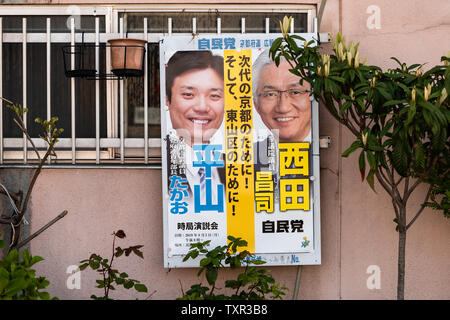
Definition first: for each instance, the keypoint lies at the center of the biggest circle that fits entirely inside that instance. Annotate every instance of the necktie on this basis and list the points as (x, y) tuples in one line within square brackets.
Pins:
[(201, 173)]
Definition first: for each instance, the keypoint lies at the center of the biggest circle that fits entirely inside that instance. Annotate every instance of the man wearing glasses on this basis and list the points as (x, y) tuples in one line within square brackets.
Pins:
[(284, 106), (282, 102)]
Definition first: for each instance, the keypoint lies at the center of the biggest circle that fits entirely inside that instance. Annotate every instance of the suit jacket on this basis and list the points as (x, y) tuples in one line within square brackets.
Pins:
[(170, 144)]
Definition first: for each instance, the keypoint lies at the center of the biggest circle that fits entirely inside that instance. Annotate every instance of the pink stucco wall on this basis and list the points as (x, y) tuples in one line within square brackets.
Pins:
[(357, 227)]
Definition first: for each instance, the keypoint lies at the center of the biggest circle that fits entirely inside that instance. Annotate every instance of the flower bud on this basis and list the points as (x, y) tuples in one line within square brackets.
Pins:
[(444, 96), (352, 94), (357, 60), (340, 52), (349, 58), (413, 95), (364, 138), (351, 48), (427, 91), (448, 56), (419, 71), (285, 26)]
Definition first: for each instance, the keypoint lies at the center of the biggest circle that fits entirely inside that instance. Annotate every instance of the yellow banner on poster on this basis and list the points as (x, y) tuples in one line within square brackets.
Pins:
[(239, 146)]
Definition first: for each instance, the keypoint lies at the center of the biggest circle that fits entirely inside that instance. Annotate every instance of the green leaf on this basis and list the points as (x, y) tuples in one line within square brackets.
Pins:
[(140, 287), (400, 158), (371, 160), (345, 106), (44, 295), (394, 102), (205, 261), (118, 252), (35, 259), (12, 257), (370, 179), (137, 252), (94, 264), (275, 45), (362, 165), (233, 284), (338, 79), (3, 284), (43, 283), (394, 58), (15, 286), (128, 284), (258, 262), (361, 104), (438, 140), (83, 266), (384, 93), (211, 275), (386, 128), (355, 145), (419, 157)]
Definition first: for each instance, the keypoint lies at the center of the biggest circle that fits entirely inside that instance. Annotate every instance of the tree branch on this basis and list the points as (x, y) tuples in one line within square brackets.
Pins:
[(405, 190), (12, 194), (358, 122), (28, 137), (34, 235), (342, 121), (421, 209), (420, 179), (34, 178)]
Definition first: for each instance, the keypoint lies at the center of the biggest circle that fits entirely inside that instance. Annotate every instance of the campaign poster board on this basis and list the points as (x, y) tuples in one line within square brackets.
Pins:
[(240, 150)]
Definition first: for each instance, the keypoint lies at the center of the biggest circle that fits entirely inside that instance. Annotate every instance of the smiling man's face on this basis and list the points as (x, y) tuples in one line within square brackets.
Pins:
[(197, 104), (288, 115)]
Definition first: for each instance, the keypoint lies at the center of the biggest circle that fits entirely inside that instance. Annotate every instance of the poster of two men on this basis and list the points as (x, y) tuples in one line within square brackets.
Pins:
[(238, 140)]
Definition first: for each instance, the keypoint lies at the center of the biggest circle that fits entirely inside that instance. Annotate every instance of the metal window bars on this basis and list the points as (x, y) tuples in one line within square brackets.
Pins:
[(108, 150), (78, 150)]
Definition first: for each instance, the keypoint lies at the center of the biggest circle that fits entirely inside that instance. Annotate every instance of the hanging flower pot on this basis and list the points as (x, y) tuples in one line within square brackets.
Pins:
[(83, 57), (127, 57)]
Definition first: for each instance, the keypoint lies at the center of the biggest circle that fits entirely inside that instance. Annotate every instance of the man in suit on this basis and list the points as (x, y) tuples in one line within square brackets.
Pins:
[(282, 102), (284, 106), (195, 100)]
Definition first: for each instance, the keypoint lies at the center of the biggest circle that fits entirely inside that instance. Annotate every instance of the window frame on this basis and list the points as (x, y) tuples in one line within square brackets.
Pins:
[(134, 151)]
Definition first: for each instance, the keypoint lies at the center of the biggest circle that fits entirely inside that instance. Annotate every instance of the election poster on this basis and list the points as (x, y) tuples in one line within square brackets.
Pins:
[(239, 150)]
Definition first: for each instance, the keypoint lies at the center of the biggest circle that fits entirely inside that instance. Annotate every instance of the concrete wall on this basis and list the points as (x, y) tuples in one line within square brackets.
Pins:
[(357, 227)]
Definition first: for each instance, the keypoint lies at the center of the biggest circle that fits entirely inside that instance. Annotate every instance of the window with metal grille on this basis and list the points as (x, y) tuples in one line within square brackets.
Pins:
[(104, 121)]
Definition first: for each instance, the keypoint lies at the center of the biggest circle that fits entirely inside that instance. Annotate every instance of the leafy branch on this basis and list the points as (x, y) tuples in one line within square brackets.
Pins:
[(251, 284), (20, 202), (400, 119), (110, 276)]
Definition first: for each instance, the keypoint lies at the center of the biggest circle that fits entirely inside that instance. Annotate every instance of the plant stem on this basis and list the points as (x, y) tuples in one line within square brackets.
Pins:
[(109, 268), (34, 178), (401, 260)]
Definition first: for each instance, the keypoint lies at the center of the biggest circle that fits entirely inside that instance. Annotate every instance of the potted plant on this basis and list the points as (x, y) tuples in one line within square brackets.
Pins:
[(127, 57)]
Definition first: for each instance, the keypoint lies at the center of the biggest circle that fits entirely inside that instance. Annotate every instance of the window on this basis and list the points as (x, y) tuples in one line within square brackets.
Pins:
[(94, 129)]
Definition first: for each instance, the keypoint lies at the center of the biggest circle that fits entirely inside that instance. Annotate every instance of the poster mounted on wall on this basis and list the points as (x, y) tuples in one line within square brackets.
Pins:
[(240, 150)]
